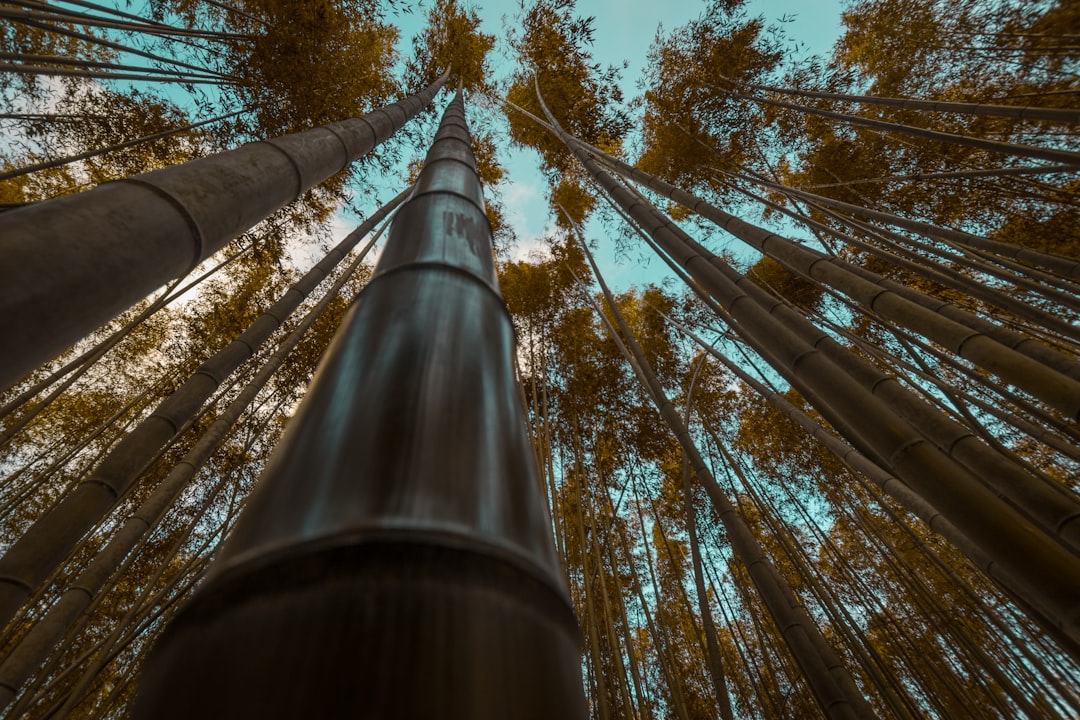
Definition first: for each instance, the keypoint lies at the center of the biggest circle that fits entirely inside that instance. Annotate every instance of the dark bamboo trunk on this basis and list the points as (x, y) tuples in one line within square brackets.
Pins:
[(899, 256), (1017, 112), (34, 647), (1015, 149), (395, 559), (989, 345), (72, 263), (1064, 267), (1040, 571), (45, 544), (832, 684)]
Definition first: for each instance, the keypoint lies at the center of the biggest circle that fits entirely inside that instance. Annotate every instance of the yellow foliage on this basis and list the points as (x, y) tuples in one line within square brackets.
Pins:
[(570, 197), (581, 94), (452, 40), (777, 279)]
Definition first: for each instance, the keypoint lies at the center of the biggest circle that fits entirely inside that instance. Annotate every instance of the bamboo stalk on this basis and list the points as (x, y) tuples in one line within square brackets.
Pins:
[(977, 109), (110, 246), (49, 539), (1041, 153)]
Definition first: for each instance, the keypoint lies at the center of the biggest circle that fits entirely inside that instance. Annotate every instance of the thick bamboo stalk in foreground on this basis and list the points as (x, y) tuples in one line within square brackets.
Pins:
[(70, 264), (396, 558)]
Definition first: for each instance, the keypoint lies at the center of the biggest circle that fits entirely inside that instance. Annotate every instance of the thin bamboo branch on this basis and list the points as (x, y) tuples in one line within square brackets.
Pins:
[(1015, 149), (147, 74), (991, 172), (979, 109), (102, 42)]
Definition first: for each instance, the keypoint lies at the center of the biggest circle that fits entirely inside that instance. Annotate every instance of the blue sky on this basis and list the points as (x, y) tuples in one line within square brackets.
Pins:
[(624, 30)]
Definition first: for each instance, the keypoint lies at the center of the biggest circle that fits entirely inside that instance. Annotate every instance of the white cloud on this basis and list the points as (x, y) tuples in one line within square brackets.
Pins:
[(533, 250), (303, 251), (520, 200)]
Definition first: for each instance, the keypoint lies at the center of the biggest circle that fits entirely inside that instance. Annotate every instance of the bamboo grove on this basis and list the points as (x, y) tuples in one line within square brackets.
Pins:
[(825, 465)]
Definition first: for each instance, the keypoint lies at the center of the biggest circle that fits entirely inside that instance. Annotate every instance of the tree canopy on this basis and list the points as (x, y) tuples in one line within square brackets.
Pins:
[(843, 401)]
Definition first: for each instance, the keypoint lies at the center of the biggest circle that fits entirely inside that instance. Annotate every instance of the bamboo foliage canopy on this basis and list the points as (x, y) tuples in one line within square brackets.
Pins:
[(821, 460)]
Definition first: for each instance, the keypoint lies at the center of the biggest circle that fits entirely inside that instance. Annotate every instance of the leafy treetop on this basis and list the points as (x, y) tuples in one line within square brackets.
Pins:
[(583, 95), (451, 39), (687, 113)]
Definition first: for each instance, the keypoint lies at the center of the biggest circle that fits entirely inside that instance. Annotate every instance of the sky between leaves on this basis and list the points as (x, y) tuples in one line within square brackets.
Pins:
[(624, 30)]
